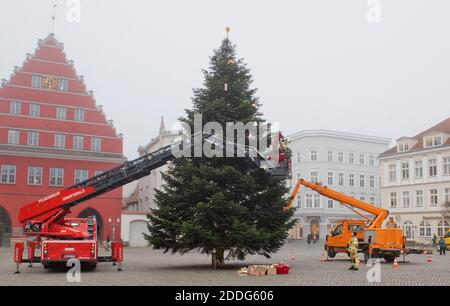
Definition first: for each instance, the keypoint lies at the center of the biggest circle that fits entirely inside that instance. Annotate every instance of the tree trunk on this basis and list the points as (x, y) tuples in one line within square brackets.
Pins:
[(217, 258)]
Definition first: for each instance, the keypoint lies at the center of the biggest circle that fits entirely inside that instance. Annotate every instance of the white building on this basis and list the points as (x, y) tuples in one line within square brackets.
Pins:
[(345, 162), (415, 184), (136, 207)]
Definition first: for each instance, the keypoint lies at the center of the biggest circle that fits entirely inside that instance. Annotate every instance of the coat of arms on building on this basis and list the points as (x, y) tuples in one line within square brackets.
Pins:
[(49, 83)]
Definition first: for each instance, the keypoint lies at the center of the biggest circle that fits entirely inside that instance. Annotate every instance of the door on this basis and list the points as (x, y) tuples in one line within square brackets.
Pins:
[(137, 230)]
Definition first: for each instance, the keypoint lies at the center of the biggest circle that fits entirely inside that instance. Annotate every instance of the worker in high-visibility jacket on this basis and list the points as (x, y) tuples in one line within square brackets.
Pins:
[(353, 251)]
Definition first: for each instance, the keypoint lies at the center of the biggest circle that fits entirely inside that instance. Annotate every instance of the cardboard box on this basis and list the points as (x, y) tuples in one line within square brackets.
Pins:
[(271, 270), (256, 270)]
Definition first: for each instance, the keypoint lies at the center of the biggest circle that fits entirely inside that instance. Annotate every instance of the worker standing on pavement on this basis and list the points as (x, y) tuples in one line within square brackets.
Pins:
[(442, 246), (353, 251)]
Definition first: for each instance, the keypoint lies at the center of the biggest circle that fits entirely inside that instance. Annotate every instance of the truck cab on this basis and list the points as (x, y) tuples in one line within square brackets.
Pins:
[(337, 241)]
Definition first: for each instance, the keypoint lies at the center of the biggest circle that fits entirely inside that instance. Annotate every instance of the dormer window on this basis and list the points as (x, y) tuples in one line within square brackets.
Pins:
[(433, 141), (403, 147)]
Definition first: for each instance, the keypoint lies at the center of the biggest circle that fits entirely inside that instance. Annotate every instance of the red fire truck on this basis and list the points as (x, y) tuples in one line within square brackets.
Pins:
[(47, 222)]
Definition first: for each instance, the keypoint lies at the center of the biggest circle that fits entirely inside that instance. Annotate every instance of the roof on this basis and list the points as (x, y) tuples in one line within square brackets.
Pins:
[(337, 134), (134, 197), (441, 127)]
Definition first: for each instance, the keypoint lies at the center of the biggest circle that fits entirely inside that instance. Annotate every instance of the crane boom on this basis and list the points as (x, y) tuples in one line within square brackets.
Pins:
[(50, 208), (379, 214)]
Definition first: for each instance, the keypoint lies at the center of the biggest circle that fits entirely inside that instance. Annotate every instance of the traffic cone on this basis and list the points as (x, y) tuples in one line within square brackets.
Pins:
[(395, 266), (322, 258), (292, 255), (429, 260)]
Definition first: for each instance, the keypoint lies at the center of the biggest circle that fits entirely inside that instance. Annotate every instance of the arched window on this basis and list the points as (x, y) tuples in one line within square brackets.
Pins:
[(425, 229), (408, 230), (5, 227), (442, 228)]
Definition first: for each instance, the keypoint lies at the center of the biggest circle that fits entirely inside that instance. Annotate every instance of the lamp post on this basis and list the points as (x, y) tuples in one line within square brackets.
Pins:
[(113, 227)]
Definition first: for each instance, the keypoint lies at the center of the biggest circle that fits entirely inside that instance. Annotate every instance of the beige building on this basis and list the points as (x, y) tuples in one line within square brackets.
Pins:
[(148, 184), (142, 199), (415, 183)]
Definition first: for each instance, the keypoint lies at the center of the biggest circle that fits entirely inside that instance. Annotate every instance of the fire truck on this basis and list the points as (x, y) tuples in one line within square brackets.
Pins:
[(47, 222)]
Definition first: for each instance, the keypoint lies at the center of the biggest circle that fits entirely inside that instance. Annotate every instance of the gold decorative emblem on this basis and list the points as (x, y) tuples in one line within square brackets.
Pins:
[(50, 83)]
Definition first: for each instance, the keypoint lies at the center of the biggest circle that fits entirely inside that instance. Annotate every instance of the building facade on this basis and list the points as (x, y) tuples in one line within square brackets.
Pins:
[(415, 183), (53, 135), (142, 199), (148, 184), (345, 162)]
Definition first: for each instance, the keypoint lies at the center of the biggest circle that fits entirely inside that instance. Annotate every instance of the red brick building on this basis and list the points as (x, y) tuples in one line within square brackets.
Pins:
[(52, 135)]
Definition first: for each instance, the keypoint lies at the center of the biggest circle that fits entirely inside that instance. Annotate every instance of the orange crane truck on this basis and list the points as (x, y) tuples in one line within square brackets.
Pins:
[(374, 241)]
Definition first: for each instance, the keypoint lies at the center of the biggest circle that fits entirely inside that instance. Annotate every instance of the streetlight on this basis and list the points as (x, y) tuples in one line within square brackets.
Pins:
[(113, 225)]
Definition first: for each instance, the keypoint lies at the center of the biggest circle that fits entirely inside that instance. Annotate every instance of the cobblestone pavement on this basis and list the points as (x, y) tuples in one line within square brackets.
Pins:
[(144, 266)]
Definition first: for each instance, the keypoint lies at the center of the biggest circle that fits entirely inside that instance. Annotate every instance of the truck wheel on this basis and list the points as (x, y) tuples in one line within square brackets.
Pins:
[(389, 258), (331, 253)]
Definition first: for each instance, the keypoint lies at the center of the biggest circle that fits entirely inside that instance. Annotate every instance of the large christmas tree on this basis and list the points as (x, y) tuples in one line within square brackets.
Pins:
[(221, 206)]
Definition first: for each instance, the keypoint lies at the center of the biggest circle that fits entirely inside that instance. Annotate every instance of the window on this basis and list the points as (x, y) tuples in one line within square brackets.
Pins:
[(8, 174), (446, 165), (299, 201), (362, 198), (361, 159), (433, 141), (372, 181), (313, 155), (442, 228), (432, 167), (341, 179), (78, 142), (330, 156), (13, 136), (96, 144), (61, 113), (425, 229), (371, 160), (14, 108), (433, 197), (34, 175), (98, 172), (405, 171), (351, 179), (299, 159), (447, 195), (79, 115), (309, 201), (362, 181), (418, 169), (33, 138), (419, 198), (403, 147), (393, 199), (351, 158), (372, 200), (405, 198), (63, 84), (36, 81), (392, 173), (330, 203), (341, 157), (314, 176), (56, 177), (330, 178), (316, 201), (35, 110), (81, 175), (60, 141)]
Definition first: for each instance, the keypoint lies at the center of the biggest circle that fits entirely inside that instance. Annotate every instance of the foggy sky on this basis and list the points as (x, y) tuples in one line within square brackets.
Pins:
[(318, 64)]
